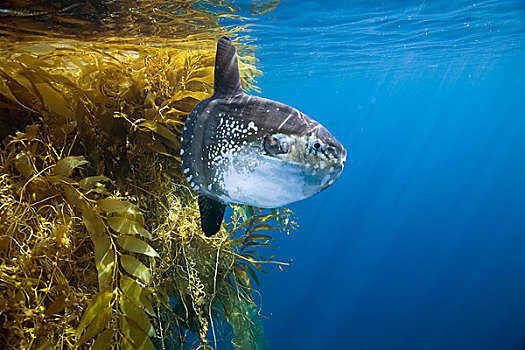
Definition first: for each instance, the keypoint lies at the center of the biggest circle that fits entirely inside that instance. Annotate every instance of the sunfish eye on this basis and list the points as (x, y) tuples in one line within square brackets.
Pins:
[(273, 146), (316, 145)]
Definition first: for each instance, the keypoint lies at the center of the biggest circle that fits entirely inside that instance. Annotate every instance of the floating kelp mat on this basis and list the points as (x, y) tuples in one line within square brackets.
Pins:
[(100, 238)]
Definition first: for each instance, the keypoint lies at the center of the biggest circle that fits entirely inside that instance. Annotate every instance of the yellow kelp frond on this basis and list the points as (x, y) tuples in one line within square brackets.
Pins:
[(46, 272), (147, 21), (79, 84), (209, 280), (144, 288), (100, 238)]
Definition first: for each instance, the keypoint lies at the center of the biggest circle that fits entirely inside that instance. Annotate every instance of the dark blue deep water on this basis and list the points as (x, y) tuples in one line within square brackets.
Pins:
[(421, 242)]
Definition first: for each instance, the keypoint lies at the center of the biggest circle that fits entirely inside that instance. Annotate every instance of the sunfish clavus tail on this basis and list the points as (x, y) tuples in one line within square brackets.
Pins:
[(237, 148)]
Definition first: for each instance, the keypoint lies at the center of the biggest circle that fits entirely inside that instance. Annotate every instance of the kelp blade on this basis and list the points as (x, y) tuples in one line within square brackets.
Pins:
[(101, 234)]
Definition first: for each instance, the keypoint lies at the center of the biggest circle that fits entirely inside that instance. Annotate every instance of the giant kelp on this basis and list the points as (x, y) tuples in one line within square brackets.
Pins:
[(99, 233)]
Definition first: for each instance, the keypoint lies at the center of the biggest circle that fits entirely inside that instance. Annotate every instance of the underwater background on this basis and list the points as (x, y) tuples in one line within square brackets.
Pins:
[(420, 244)]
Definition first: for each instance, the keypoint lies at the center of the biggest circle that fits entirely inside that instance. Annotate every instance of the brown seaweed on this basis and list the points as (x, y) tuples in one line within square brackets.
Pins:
[(100, 236)]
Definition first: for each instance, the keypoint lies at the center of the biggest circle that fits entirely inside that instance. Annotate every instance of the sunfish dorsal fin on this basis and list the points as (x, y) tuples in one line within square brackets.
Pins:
[(212, 213), (227, 79)]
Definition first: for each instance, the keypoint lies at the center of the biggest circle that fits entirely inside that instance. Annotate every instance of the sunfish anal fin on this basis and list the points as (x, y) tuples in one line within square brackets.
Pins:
[(212, 213), (227, 80)]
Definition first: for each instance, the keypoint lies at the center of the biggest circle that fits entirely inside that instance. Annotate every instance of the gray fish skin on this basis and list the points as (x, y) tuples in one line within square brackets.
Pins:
[(237, 148)]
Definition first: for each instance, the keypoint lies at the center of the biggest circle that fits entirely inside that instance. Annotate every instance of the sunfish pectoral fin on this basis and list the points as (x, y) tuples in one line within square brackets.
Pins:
[(212, 213), (227, 80)]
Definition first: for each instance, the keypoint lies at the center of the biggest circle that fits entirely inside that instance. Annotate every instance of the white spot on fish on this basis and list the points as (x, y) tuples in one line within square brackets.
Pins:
[(325, 179), (193, 184), (251, 125), (189, 178), (181, 152), (187, 170), (196, 187)]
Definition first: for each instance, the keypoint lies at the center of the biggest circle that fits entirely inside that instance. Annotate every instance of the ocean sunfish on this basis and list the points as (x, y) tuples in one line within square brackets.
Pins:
[(237, 148)]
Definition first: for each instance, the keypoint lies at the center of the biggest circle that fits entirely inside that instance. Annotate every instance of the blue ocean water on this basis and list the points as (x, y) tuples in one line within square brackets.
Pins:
[(421, 242)]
